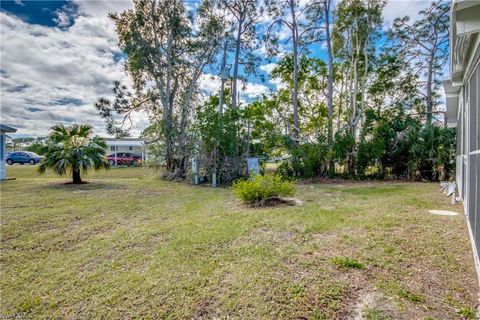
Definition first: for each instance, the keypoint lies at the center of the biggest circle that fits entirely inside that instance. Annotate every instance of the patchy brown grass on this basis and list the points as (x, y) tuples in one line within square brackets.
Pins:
[(130, 245)]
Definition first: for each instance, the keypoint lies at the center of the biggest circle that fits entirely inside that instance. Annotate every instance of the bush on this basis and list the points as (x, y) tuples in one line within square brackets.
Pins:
[(307, 160), (260, 189)]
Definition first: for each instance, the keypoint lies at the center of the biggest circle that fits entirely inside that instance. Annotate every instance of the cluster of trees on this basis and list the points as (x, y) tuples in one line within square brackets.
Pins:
[(357, 99)]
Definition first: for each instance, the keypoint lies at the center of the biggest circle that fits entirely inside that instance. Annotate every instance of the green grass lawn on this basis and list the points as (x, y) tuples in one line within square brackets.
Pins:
[(130, 245)]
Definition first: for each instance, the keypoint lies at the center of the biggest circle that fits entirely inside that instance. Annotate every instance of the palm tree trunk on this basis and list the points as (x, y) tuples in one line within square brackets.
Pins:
[(76, 177)]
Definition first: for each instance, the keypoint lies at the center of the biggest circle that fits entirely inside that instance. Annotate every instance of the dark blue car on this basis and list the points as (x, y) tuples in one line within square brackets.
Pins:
[(22, 157)]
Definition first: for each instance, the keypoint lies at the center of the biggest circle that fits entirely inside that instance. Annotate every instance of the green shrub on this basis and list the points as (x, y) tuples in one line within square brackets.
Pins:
[(261, 188)]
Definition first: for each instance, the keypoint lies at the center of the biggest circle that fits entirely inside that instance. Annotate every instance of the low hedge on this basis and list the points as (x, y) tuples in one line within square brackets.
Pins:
[(261, 188)]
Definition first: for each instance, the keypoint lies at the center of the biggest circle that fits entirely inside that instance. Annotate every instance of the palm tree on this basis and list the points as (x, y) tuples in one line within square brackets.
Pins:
[(73, 149)]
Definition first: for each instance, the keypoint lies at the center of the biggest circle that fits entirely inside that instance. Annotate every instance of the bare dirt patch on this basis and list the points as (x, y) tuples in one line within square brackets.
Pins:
[(373, 305), (275, 238)]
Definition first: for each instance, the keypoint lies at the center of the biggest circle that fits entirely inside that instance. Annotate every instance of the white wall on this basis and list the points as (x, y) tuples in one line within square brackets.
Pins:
[(3, 152), (135, 149)]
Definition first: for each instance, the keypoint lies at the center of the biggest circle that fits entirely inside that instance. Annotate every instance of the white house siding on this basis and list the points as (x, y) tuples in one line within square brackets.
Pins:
[(130, 145), (3, 173), (131, 149), (3, 151)]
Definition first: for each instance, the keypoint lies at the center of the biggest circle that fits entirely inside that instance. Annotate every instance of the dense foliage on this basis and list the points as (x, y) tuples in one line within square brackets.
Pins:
[(371, 109)]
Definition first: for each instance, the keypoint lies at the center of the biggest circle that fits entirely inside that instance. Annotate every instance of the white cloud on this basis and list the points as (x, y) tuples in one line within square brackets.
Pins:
[(268, 68), (279, 84), (209, 83), (253, 90), (400, 8), (53, 75), (64, 17), (102, 8)]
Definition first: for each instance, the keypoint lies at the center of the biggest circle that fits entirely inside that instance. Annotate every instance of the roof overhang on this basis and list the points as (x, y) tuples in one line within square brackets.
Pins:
[(464, 37), (464, 49), (4, 128), (120, 142)]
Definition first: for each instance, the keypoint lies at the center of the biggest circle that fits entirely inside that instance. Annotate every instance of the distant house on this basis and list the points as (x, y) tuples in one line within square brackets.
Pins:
[(126, 145), (463, 99), (3, 139)]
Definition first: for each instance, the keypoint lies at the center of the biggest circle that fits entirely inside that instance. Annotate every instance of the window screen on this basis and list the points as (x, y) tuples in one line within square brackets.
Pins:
[(473, 108), (473, 177)]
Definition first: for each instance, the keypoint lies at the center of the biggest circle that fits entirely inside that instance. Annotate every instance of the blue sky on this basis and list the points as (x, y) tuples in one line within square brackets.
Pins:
[(59, 57), (35, 12)]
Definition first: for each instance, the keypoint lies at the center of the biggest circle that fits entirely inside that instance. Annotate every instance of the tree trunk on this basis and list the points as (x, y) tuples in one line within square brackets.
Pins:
[(76, 177), (331, 166), (296, 129), (235, 64), (429, 91), (340, 103), (168, 134), (364, 83), (355, 93), (222, 78)]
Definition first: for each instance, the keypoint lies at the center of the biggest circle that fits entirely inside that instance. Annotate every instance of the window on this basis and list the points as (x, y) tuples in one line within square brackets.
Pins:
[(130, 148), (112, 148)]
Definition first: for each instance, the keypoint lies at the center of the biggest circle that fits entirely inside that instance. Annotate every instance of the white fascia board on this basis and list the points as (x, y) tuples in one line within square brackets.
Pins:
[(125, 143), (464, 24), (463, 4), (468, 21)]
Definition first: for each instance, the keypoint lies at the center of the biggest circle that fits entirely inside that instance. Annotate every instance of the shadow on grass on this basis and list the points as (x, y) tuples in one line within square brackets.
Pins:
[(375, 190), (87, 185)]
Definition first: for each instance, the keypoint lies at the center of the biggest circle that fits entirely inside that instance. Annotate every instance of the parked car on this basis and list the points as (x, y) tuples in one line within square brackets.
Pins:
[(125, 158), (22, 157)]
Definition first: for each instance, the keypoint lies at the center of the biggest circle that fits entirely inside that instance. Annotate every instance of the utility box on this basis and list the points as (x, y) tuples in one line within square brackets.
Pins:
[(253, 166), (195, 170)]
